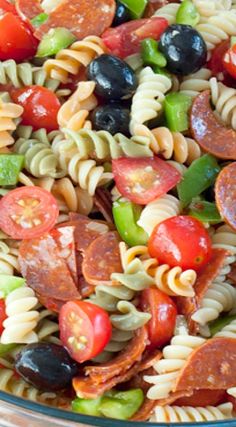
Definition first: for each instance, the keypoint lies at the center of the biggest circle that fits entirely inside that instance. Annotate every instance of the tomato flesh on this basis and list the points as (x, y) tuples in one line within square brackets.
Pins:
[(3, 315), (16, 39), (229, 61), (217, 66), (28, 212), (125, 39), (40, 105), (181, 241), (85, 329), (163, 310), (142, 180)]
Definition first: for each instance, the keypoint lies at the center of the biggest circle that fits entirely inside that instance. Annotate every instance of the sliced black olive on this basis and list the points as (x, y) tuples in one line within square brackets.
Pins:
[(184, 49), (113, 118), (122, 15), (115, 80)]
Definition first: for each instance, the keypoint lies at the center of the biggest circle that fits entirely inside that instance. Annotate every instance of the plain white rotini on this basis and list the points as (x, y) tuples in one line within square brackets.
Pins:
[(210, 8), (149, 97), (157, 211), (225, 237), (174, 358), (21, 319), (185, 414), (68, 61), (8, 259), (168, 12), (47, 327), (195, 83), (224, 100), (228, 331)]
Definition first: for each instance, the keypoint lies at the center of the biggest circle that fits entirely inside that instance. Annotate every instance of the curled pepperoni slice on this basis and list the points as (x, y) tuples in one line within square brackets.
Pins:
[(209, 132), (101, 259), (51, 304), (81, 17), (28, 8), (188, 306), (202, 398), (225, 190), (211, 366)]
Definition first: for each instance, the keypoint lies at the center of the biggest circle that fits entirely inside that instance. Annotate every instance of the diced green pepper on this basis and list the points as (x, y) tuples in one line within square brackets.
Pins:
[(176, 107), (55, 40), (159, 70), (205, 211), (9, 284), (123, 405), (220, 323), (136, 7), (187, 14), (87, 406), (151, 55), (5, 348), (39, 20), (200, 175), (10, 167), (126, 215)]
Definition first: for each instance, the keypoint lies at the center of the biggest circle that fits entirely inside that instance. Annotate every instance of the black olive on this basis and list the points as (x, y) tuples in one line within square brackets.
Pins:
[(122, 15), (46, 366), (184, 49), (113, 118), (114, 78)]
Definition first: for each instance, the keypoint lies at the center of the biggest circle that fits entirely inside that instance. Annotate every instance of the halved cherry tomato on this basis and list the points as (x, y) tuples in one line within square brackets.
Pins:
[(163, 310), (3, 315), (16, 39), (229, 61), (28, 212), (40, 104), (85, 329), (6, 6), (216, 64), (125, 39), (144, 179), (181, 241)]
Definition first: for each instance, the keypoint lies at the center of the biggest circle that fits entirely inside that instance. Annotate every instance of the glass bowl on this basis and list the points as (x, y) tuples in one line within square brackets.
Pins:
[(17, 412)]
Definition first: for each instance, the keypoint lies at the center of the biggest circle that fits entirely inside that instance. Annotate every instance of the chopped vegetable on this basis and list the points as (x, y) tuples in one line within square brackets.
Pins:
[(10, 167), (55, 40), (9, 284), (87, 406), (187, 14), (176, 107), (151, 55), (39, 19), (205, 211), (122, 405), (136, 7), (220, 323)]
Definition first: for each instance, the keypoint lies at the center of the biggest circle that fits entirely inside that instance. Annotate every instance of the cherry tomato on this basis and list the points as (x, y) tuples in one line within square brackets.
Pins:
[(85, 329), (3, 315), (163, 310), (229, 61), (6, 6), (16, 39), (125, 39), (28, 212), (216, 64), (181, 241), (142, 180), (40, 104)]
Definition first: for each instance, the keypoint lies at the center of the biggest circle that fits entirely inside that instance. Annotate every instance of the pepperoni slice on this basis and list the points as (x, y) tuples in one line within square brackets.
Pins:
[(202, 398), (188, 306), (64, 237), (211, 366), (86, 231), (52, 304), (46, 270), (28, 8), (225, 190), (81, 17), (101, 259), (209, 132)]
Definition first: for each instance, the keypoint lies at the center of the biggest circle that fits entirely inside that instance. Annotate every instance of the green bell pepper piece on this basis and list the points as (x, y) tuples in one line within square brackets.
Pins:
[(87, 406), (151, 55), (176, 107), (6, 348), (55, 40), (123, 405), (10, 167), (205, 211), (39, 20), (220, 323), (187, 14), (200, 175), (9, 284), (136, 7), (126, 215)]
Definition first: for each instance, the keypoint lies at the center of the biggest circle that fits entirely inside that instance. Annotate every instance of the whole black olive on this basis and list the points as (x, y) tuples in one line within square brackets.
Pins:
[(113, 118), (122, 15), (114, 78), (46, 366), (184, 49)]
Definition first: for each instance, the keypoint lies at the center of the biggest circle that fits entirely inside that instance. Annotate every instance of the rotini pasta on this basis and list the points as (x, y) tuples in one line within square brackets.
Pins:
[(228, 331), (108, 297), (225, 238), (168, 12), (174, 358), (21, 321), (157, 211), (47, 327), (8, 259), (68, 61), (8, 112), (195, 83), (224, 100), (183, 414), (174, 281), (148, 99), (130, 319)]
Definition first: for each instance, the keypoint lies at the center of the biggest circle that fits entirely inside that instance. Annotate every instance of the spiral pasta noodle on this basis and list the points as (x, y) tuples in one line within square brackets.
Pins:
[(225, 238), (47, 327), (8, 259), (174, 281), (195, 83), (21, 321), (211, 7), (184, 414), (148, 99), (174, 358), (168, 12), (8, 112), (228, 331), (130, 318), (68, 61), (108, 297), (224, 100), (74, 112)]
